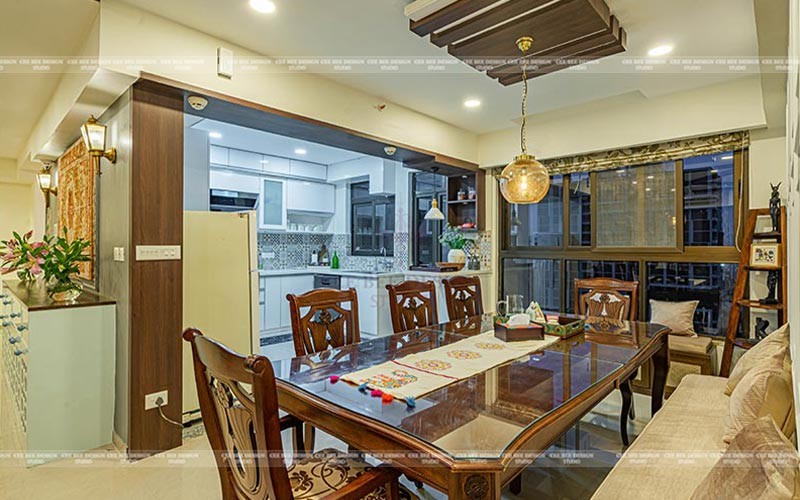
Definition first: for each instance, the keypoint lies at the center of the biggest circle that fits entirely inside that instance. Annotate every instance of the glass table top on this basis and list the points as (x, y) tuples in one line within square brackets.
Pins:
[(478, 416)]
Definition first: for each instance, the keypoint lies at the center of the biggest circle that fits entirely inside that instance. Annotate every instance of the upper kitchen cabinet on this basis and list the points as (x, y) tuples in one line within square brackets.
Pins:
[(218, 155), (277, 165), (272, 210), (308, 170), (311, 197), (245, 159), (233, 181)]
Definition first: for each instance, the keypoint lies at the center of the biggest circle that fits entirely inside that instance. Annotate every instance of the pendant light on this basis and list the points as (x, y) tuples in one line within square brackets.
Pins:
[(434, 213), (524, 180)]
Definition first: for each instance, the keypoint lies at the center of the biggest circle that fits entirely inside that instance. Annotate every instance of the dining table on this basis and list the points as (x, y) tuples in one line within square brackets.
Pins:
[(474, 435)]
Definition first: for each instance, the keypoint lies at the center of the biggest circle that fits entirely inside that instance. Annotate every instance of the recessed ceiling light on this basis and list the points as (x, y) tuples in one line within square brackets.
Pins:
[(300, 151), (660, 50), (263, 6), (215, 135), (472, 103)]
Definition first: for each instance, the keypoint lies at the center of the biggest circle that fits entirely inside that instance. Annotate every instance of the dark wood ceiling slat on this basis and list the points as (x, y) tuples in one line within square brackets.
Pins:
[(587, 56), (489, 19), (448, 15), (550, 26), (579, 46)]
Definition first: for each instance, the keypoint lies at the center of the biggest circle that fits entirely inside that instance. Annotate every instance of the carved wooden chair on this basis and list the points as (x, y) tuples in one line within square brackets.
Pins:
[(616, 300), (463, 297), (412, 305), (244, 430), (324, 319)]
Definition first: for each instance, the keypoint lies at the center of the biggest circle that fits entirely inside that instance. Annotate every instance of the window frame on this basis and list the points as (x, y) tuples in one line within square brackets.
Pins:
[(372, 201), (441, 196), (686, 254)]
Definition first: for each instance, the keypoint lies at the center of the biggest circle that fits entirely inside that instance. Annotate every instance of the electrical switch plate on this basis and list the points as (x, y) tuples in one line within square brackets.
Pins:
[(150, 400), (158, 252), (119, 254)]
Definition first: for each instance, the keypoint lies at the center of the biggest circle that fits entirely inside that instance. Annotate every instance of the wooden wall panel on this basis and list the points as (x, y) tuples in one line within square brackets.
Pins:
[(156, 286)]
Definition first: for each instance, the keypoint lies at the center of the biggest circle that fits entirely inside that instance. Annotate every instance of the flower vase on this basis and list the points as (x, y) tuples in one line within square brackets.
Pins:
[(456, 255), (65, 290)]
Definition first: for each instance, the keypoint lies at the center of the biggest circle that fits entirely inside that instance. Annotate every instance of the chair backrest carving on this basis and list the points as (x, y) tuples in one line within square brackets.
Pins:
[(463, 297), (323, 319), (412, 305), (242, 425), (606, 297)]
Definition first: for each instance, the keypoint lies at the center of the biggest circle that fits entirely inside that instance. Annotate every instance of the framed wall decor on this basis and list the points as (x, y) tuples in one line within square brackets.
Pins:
[(765, 256)]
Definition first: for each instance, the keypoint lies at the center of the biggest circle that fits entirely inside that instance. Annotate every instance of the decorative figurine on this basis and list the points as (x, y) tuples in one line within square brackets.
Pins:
[(775, 207), (772, 285), (761, 328)]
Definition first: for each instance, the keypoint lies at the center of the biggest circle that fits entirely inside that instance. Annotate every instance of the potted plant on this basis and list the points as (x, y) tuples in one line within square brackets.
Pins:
[(61, 267), (455, 241), (24, 257)]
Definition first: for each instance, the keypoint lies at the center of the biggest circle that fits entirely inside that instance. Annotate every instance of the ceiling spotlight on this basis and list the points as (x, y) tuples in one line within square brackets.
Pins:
[(215, 135), (263, 6), (472, 103), (390, 150), (197, 103), (660, 50), (300, 151)]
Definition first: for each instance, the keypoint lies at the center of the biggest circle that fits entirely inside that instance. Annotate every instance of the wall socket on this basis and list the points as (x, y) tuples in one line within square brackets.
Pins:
[(119, 254), (150, 400), (158, 252)]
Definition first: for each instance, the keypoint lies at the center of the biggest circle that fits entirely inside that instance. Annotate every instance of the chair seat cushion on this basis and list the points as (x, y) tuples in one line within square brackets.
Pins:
[(330, 470), (690, 345)]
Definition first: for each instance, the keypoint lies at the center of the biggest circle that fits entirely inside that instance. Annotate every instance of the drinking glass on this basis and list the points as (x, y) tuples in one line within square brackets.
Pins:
[(516, 304)]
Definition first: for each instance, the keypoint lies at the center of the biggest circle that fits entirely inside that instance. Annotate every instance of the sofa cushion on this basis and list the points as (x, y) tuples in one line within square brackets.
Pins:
[(766, 348), (766, 390), (759, 463), (690, 345), (677, 316), (690, 421)]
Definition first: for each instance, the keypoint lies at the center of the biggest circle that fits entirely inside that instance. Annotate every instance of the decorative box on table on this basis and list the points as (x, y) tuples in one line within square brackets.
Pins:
[(517, 333), (564, 327)]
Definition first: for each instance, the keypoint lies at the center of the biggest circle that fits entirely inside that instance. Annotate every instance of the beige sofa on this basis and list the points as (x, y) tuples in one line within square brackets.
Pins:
[(677, 448)]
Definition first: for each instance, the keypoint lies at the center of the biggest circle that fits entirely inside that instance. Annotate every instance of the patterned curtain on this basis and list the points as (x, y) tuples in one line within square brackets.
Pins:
[(653, 153)]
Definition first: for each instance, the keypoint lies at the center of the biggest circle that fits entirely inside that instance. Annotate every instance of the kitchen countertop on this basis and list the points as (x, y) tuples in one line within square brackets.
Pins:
[(361, 274)]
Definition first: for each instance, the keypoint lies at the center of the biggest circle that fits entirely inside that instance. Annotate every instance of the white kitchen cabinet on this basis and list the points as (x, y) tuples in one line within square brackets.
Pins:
[(273, 303), (272, 204), (277, 165), (367, 290), (233, 181), (218, 155), (309, 170), (314, 197), (245, 159), (296, 285)]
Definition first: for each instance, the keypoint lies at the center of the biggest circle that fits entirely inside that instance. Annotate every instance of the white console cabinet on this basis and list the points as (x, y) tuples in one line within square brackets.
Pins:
[(58, 366)]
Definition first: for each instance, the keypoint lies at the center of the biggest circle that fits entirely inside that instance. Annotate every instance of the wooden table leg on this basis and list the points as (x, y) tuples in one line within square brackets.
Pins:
[(625, 389), (660, 369), (474, 486)]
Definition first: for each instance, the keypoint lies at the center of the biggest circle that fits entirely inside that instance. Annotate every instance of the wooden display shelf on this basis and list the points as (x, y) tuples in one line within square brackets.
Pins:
[(754, 304)]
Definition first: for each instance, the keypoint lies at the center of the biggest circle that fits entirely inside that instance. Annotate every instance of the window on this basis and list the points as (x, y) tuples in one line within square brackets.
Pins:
[(540, 224), (708, 192), (651, 223), (636, 206), (425, 238), (372, 222)]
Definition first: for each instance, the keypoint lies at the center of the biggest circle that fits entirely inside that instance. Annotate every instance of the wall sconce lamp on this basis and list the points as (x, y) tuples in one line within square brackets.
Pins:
[(94, 136), (46, 183)]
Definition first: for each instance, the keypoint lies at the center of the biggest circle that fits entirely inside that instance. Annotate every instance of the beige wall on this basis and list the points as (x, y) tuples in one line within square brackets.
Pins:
[(129, 32), (16, 212)]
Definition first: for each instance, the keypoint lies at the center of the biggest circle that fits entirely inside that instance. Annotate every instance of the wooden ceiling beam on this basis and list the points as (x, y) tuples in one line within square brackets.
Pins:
[(448, 15), (552, 25), (489, 19), (579, 46)]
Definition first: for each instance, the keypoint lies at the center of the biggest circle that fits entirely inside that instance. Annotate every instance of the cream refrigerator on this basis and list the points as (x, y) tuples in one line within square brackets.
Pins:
[(220, 286)]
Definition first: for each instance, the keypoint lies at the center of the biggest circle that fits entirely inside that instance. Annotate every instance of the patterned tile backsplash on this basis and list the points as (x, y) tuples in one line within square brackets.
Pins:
[(293, 250)]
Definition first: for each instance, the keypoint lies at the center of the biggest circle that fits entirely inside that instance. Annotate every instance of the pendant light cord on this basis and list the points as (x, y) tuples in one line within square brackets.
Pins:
[(523, 131)]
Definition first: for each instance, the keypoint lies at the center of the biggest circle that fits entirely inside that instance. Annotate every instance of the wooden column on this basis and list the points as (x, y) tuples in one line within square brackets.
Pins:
[(155, 286)]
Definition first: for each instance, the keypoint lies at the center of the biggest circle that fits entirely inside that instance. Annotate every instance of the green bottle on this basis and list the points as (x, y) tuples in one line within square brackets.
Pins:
[(335, 261)]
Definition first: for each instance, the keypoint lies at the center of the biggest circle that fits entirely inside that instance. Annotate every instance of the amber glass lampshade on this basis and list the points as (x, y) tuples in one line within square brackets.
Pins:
[(524, 180)]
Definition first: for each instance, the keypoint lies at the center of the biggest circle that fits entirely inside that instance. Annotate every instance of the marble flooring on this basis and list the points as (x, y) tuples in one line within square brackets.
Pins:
[(572, 468)]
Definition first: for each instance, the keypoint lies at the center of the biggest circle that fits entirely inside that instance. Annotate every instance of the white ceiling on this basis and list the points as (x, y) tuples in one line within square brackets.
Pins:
[(247, 139), (35, 28), (379, 28)]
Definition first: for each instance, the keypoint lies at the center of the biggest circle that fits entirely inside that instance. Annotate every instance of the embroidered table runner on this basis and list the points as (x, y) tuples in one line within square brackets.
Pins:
[(418, 374)]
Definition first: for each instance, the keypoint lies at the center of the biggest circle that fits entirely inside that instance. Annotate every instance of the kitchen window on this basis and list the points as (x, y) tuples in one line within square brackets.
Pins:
[(426, 187), (371, 222)]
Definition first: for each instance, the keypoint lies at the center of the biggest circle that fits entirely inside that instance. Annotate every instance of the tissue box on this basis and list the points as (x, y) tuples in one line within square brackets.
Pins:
[(518, 333)]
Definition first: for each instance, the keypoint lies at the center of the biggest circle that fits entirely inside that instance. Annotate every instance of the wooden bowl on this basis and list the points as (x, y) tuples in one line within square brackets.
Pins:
[(450, 266)]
